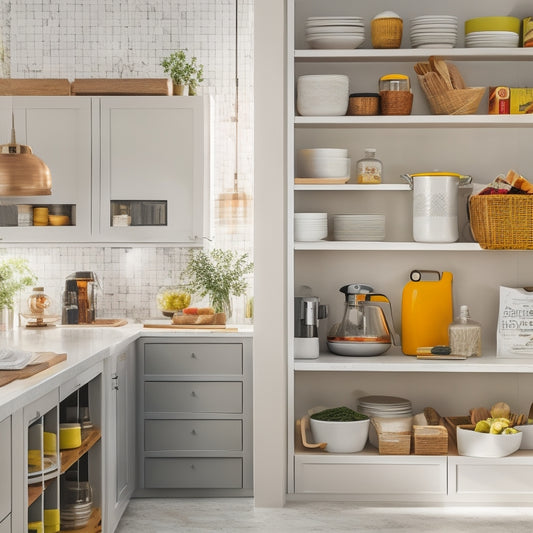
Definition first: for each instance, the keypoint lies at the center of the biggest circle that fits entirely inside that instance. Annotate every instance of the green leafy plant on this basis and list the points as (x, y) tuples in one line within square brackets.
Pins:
[(183, 71), (15, 274), (217, 274)]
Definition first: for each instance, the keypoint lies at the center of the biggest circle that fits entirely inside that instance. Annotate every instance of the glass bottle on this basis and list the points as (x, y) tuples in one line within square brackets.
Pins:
[(369, 168), (465, 334)]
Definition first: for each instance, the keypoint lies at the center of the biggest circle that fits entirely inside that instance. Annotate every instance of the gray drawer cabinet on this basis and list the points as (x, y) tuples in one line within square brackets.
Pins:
[(195, 416)]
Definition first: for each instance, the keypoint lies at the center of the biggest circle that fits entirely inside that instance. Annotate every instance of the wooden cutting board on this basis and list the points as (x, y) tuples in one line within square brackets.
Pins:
[(105, 86), (34, 87), (44, 361)]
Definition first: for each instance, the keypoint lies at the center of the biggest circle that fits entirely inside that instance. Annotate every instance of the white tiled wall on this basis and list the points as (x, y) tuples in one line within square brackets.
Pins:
[(127, 38)]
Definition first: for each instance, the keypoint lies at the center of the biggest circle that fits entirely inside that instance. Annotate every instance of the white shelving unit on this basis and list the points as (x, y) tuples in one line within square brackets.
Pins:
[(479, 145)]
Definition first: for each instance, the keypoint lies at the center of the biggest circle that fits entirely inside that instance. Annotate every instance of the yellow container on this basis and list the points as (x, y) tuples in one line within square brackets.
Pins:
[(35, 527), (69, 436), (427, 311), (51, 520)]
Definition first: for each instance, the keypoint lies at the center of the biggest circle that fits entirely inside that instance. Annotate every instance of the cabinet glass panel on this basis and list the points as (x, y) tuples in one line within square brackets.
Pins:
[(138, 213), (26, 215)]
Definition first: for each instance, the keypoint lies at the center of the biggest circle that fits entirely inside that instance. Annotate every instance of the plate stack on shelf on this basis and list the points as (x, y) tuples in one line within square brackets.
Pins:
[(335, 32), (433, 31), (359, 227), (310, 226), (76, 504), (492, 32)]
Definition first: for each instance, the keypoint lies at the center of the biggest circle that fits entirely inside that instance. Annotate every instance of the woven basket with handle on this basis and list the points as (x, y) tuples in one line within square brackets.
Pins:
[(502, 221)]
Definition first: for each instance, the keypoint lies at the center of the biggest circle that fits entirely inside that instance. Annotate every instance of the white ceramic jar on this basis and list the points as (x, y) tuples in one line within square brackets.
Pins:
[(322, 95)]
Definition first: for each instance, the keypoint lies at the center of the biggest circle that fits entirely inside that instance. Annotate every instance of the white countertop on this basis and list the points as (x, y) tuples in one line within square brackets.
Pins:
[(85, 347)]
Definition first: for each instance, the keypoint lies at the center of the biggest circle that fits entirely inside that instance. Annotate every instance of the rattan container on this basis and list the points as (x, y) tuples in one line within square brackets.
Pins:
[(386, 32), (396, 102), (363, 104), (430, 440), (502, 221)]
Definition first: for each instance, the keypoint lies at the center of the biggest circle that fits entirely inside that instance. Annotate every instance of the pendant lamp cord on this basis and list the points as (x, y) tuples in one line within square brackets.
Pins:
[(13, 138)]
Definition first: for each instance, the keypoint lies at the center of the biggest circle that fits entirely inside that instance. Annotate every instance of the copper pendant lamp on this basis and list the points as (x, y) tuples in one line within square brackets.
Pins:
[(22, 173)]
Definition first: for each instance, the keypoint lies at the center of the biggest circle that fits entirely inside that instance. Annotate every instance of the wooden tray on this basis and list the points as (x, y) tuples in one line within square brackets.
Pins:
[(104, 86), (34, 87), (44, 361), (221, 327), (99, 323)]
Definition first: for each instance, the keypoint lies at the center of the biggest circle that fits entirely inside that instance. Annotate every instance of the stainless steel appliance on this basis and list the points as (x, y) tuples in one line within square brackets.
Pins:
[(307, 312), (86, 296)]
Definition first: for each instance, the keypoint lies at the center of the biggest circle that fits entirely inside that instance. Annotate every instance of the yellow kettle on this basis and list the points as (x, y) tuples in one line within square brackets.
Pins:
[(427, 310)]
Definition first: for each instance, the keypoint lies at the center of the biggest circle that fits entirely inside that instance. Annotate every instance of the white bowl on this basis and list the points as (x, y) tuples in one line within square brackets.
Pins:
[(476, 444), (325, 167), (312, 153), (527, 436), (341, 437), (335, 42), (322, 95)]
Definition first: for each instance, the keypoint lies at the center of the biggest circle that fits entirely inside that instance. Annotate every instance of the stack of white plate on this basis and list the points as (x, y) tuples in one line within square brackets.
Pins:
[(433, 31), (384, 406), (335, 32), (310, 226), (323, 163), (492, 39), (359, 227)]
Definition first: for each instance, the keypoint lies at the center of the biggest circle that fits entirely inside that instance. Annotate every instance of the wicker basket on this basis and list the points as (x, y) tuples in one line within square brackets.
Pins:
[(456, 101), (502, 221), (430, 440), (398, 443), (364, 104), (386, 32), (396, 102)]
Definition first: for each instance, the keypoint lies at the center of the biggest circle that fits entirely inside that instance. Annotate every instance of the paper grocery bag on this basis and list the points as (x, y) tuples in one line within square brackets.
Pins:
[(515, 323)]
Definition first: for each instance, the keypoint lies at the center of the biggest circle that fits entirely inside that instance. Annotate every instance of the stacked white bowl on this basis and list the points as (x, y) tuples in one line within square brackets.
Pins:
[(322, 95), (323, 163), (359, 227), (335, 32), (310, 226), (433, 31), (492, 32)]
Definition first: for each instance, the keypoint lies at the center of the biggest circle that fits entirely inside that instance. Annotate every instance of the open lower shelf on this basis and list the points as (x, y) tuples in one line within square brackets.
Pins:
[(34, 491), (397, 362), (69, 457)]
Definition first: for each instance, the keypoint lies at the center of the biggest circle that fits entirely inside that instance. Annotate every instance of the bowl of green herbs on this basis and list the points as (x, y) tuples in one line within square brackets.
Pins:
[(343, 429)]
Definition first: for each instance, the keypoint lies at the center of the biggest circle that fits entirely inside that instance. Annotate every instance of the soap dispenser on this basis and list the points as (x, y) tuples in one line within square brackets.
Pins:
[(465, 334)]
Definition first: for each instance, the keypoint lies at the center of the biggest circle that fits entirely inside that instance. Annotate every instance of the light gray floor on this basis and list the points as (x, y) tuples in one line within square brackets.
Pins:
[(240, 514)]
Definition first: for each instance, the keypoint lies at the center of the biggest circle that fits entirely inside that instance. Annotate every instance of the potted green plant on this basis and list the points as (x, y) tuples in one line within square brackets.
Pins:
[(15, 274), (219, 275), (185, 74)]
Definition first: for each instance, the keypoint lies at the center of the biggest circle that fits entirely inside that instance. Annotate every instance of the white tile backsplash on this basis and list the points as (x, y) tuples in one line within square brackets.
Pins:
[(127, 38)]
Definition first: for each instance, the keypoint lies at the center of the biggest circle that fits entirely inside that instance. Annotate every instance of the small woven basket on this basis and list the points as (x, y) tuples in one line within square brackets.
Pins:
[(456, 101), (364, 104), (430, 440), (396, 102), (502, 221), (386, 32)]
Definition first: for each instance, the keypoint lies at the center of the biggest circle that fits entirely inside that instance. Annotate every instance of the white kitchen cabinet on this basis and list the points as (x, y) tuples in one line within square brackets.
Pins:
[(146, 158), (154, 168), (480, 145), (58, 129), (121, 434), (195, 417), (5, 468)]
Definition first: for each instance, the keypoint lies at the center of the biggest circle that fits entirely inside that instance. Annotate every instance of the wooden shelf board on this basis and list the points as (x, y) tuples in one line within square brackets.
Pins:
[(69, 457), (34, 491)]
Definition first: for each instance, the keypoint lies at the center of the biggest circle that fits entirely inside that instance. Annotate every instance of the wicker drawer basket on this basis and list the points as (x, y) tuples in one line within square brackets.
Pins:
[(502, 221)]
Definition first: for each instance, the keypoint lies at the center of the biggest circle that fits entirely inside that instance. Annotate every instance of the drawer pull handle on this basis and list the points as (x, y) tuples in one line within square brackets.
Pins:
[(192, 467), (193, 355), (193, 394), (193, 432)]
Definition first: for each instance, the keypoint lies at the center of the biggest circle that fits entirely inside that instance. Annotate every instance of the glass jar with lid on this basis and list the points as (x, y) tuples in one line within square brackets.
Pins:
[(394, 82)]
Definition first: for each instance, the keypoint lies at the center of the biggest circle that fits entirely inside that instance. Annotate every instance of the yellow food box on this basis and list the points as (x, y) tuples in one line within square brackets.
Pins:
[(521, 100), (527, 32)]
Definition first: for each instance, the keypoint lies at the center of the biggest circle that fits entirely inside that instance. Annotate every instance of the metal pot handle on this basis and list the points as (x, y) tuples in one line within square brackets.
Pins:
[(408, 178)]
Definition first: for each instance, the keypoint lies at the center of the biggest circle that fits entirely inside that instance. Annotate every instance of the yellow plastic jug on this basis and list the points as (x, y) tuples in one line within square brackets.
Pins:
[(427, 310)]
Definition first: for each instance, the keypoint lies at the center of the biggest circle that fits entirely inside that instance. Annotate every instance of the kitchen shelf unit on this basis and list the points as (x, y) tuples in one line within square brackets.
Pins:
[(480, 145)]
